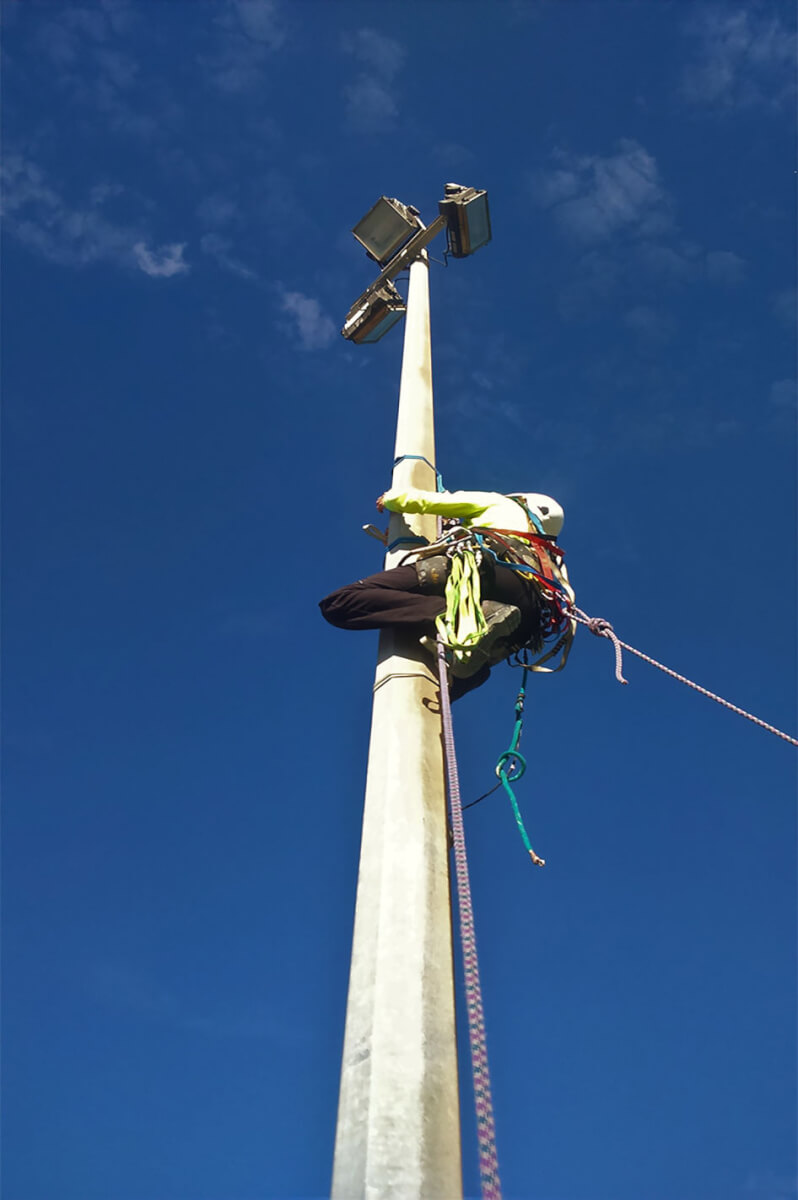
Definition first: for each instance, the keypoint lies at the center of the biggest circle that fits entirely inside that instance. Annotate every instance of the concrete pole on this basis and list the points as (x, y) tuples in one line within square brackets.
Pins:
[(398, 1135)]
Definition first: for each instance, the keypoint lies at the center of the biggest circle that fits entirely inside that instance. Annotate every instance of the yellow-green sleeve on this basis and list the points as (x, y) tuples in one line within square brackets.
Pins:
[(444, 504)]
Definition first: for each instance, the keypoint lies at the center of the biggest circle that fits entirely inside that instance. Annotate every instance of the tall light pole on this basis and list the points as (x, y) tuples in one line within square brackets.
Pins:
[(398, 1132)]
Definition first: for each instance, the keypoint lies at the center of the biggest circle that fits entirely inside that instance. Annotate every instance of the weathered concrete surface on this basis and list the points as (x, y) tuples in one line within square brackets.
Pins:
[(398, 1134)]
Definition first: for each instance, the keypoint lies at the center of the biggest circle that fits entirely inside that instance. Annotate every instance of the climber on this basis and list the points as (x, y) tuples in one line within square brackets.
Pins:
[(519, 528)]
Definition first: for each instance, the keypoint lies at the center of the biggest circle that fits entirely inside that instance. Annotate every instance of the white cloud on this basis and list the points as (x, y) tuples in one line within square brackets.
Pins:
[(38, 216), (249, 32), (744, 58), (86, 52), (371, 104), (163, 262), (595, 196), (316, 331), (619, 216), (218, 248)]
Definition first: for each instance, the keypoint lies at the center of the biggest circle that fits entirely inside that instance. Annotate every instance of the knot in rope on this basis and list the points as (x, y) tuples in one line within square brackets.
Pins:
[(511, 765), (602, 628)]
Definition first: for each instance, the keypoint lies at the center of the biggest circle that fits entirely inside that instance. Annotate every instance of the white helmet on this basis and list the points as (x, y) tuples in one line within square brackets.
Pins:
[(548, 511)]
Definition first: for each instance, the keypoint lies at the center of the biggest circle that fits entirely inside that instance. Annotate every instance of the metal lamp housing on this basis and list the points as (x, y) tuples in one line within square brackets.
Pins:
[(468, 219), (372, 320), (385, 228)]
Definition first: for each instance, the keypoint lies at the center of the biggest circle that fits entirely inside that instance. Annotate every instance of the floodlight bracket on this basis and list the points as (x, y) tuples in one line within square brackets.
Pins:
[(397, 264)]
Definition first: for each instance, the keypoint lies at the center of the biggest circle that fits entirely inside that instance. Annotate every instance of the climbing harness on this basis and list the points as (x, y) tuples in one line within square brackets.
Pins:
[(533, 555), (537, 557), (602, 628)]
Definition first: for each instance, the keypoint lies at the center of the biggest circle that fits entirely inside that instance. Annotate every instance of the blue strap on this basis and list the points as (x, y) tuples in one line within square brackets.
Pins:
[(421, 458), (406, 541), (532, 516)]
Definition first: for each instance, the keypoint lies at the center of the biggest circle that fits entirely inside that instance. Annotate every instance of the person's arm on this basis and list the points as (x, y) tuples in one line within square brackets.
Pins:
[(444, 504)]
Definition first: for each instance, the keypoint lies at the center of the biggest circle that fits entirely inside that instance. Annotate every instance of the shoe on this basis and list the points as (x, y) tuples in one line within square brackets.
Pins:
[(502, 620)]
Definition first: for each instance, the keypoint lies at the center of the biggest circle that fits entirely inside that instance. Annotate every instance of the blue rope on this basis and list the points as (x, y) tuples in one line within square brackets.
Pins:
[(510, 768), (406, 541), (421, 458), (532, 516)]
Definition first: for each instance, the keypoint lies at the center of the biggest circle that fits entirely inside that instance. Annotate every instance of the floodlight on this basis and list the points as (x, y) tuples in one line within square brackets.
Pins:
[(468, 219), (371, 319), (386, 227)]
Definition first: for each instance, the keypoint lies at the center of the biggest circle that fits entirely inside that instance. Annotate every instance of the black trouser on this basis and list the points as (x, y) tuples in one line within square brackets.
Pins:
[(395, 598)]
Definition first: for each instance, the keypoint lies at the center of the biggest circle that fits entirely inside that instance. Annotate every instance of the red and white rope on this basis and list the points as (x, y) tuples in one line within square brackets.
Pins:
[(486, 1133)]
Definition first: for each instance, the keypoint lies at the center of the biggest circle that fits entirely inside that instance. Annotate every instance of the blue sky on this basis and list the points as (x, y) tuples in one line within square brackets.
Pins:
[(190, 450)]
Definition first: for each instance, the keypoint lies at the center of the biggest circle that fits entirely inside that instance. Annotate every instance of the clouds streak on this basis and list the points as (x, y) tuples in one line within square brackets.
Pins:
[(249, 32), (743, 58), (163, 262), (314, 329), (620, 218), (371, 103), (37, 216), (595, 196)]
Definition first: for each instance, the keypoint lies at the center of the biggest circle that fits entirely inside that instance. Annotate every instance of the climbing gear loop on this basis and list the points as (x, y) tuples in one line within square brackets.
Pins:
[(462, 625)]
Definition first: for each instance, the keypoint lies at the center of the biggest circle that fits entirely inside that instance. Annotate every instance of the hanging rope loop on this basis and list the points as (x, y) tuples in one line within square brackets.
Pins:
[(511, 765)]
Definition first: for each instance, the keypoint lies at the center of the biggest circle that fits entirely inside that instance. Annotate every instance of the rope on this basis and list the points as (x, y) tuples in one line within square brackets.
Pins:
[(510, 768), (406, 541), (483, 1101), (421, 458), (602, 628), (486, 1133)]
